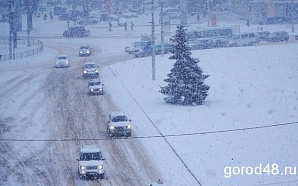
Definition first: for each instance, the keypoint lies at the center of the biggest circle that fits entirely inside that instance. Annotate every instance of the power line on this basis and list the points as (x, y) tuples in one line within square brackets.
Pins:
[(153, 136)]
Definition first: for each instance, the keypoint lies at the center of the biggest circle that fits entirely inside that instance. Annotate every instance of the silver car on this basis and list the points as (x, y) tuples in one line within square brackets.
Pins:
[(62, 61)]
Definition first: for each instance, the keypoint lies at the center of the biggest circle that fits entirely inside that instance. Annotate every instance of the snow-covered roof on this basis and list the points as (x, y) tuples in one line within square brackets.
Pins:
[(62, 56), (91, 63), (117, 113), (94, 80), (90, 148)]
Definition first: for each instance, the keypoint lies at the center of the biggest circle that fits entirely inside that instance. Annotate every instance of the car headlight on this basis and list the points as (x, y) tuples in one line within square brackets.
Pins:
[(66, 62), (100, 89), (87, 52), (129, 126), (112, 127), (81, 52), (141, 50), (85, 72), (96, 71), (92, 90), (100, 167), (82, 167)]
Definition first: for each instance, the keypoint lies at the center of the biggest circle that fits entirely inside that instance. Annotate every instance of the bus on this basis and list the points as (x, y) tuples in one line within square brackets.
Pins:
[(243, 39), (218, 36)]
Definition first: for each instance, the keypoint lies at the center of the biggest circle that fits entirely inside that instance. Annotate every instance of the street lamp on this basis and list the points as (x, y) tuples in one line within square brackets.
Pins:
[(162, 28), (292, 16), (153, 43)]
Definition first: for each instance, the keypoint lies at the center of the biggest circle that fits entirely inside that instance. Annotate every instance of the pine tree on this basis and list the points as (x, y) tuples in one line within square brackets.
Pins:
[(186, 79)]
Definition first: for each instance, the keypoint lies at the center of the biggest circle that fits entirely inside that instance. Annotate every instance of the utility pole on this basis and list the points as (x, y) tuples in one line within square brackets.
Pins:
[(153, 43), (29, 21), (162, 29), (292, 16), (10, 27)]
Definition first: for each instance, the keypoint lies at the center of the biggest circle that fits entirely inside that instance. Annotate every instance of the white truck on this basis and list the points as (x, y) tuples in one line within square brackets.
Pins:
[(91, 162)]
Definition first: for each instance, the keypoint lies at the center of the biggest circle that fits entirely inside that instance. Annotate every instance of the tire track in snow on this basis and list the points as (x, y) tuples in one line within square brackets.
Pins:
[(168, 143)]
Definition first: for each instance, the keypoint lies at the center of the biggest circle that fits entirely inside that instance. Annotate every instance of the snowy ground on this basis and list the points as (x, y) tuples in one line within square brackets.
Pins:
[(249, 117)]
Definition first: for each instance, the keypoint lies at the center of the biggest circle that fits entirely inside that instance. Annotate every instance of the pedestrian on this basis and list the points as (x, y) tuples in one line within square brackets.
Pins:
[(45, 17), (110, 26), (51, 16), (131, 26), (198, 17), (125, 26), (247, 23)]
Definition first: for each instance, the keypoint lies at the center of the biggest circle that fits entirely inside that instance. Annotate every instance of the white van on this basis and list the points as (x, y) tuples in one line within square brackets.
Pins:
[(243, 39)]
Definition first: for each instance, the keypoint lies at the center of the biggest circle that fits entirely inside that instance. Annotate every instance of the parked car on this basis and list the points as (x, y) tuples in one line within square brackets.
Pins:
[(62, 61), (95, 87), (85, 50), (90, 69), (88, 20), (91, 162), (278, 36), (76, 31), (262, 35), (119, 124)]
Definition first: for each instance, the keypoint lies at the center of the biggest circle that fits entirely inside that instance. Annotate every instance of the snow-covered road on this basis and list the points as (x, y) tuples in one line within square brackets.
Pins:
[(46, 115)]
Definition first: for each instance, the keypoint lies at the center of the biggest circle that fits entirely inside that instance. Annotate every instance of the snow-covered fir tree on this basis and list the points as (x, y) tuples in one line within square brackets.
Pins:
[(186, 79)]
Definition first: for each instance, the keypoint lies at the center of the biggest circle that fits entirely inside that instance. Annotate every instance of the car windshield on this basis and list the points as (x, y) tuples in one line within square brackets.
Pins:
[(119, 118), (89, 66), (84, 47), (87, 156), (62, 57), (138, 44), (94, 83)]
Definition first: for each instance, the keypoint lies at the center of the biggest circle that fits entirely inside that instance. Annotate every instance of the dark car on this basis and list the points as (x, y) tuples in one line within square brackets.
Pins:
[(85, 50), (135, 45), (278, 36), (76, 31), (262, 35)]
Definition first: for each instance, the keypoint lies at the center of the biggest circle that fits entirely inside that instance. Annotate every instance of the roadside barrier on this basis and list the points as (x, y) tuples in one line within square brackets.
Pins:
[(38, 48)]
